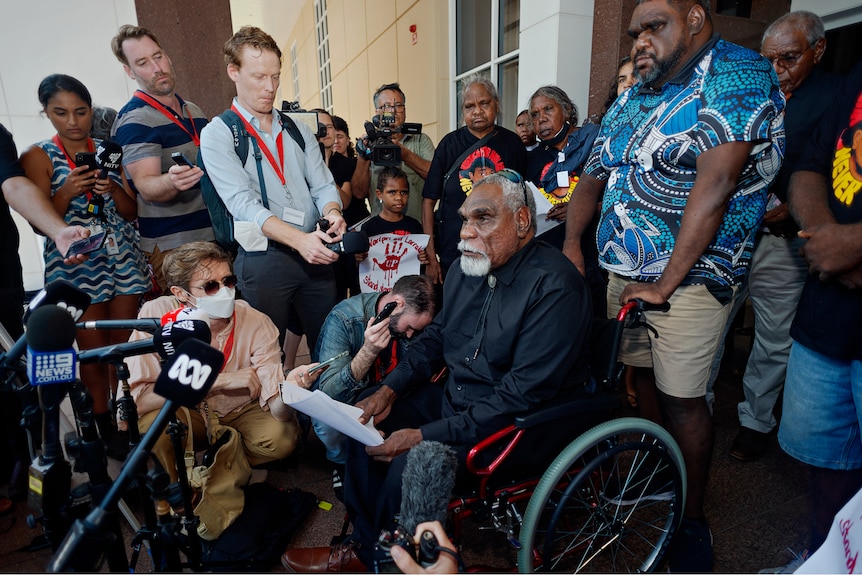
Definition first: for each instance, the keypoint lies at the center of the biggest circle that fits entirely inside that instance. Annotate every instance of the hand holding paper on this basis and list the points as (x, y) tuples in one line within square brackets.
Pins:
[(343, 417)]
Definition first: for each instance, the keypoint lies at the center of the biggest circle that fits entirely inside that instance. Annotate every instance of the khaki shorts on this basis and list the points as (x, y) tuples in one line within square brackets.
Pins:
[(688, 337)]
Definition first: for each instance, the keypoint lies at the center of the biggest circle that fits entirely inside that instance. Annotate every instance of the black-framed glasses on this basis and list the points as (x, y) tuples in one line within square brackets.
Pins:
[(212, 286), (789, 60), (396, 107), (515, 178)]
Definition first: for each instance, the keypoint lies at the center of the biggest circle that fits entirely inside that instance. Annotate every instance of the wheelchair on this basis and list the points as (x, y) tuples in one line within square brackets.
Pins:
[(613, 498)]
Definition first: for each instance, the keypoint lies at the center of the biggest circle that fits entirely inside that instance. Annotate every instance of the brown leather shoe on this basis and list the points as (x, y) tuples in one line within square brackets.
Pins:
[(335, 559)]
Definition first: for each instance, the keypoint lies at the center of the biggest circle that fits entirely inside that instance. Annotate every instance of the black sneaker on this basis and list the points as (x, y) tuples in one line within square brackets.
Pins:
[(691, 549), (749, 444)]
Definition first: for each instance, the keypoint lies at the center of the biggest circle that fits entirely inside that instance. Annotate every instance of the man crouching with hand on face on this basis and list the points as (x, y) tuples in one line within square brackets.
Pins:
[(246, 394), (512, 332)]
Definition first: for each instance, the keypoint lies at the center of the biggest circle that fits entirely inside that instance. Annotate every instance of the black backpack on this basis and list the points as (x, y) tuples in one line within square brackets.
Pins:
[(259, 536), (222, 220)]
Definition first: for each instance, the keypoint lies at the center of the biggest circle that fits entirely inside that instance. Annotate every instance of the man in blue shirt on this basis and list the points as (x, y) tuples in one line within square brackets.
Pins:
[(681, 165), (284, 256)]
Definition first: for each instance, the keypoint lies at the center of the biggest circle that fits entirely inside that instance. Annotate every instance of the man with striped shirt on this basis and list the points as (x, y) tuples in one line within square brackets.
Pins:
[(155, 123)]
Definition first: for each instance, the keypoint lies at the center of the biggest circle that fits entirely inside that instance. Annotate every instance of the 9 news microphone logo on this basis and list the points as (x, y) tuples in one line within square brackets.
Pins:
[(48, 367)]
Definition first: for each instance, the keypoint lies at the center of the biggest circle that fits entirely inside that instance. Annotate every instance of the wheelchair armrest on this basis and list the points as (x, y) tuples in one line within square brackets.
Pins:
[(597, 402)]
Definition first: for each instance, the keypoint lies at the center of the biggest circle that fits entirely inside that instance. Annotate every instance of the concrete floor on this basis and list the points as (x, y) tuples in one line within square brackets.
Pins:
[(758, 510)]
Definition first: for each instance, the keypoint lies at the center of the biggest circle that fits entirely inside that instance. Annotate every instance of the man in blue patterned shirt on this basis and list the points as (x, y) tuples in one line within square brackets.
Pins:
[(681, 166)]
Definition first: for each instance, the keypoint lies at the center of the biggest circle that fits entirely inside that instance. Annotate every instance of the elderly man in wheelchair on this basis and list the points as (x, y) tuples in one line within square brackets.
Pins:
[(513, 333)]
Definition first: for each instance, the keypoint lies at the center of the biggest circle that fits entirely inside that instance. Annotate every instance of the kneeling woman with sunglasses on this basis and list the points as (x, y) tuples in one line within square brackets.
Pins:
[(246, 394)]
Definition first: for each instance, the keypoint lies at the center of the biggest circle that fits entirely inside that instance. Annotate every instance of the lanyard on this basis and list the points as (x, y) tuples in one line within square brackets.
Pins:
[(279, 143), (171, 115), (228, 347), (91, 147)]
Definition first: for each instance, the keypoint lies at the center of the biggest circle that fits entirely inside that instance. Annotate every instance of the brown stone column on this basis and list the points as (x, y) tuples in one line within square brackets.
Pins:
[(610, 44), (192, 33)]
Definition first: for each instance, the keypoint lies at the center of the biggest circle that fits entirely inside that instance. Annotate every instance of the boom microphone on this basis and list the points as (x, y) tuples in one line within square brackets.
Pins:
[(109, 155), (165, 341), (426, 484), (351, 243), (149, 325)]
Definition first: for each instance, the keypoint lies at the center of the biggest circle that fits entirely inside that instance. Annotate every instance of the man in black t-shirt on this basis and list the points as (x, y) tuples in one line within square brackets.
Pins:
[(821, 421)]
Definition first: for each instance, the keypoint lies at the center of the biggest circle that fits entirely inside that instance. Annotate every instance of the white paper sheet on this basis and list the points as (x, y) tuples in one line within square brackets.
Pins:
[(543, 206), (343, 417)]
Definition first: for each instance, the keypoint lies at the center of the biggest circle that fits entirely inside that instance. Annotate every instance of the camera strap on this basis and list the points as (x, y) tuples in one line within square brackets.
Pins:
[(454, 167)]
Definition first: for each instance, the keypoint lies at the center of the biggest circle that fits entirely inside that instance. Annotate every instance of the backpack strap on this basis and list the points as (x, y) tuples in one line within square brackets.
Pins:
[(241, 138), (292, 129)]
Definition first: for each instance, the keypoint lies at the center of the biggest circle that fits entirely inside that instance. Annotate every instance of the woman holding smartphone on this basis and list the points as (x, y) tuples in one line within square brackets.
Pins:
[(115, 275)]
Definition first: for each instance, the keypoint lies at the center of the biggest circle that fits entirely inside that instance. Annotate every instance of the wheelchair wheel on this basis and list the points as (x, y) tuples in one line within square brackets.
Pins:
[(610, 502)]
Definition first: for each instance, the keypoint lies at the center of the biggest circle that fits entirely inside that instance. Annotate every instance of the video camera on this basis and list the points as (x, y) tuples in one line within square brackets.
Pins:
[(378, 145), (297, 114)]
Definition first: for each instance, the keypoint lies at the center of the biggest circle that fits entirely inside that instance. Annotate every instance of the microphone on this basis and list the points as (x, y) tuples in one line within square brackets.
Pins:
[(165, 341), (50, 355), (63, 294), (426, 484), (184, 380), (351, 243), (149, 325), (59, 293), (185, 313), (109, 156), (190, 373)]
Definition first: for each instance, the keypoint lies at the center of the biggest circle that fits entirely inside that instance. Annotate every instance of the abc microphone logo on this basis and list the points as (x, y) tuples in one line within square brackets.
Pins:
[(189, 372)]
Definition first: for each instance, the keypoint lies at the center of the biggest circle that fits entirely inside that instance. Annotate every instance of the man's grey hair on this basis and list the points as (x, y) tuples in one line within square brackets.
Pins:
[(515, 195), (558, 95), (473, 79), (806, 22)]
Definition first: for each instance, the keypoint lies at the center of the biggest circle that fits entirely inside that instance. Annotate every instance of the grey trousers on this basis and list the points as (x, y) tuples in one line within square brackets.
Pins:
[(775, 282)]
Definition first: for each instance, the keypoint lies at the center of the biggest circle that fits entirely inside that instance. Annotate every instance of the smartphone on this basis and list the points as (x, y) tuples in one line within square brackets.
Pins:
[(385, 312), (87, 159), (324, 364), (180, 159), (88, 244)]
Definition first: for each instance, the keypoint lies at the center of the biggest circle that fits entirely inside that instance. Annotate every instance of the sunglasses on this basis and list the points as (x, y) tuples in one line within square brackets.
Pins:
[(515, 178), (212, 286)]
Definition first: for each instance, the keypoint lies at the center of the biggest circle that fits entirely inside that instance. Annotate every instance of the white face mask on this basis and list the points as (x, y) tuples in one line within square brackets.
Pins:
[(219, 305)]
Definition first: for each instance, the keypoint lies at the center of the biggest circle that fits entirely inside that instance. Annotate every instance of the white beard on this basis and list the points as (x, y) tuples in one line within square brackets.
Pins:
[(473, 266)]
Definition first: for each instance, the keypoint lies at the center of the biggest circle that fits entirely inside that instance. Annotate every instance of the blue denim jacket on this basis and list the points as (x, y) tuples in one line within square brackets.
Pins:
[(344, 329)]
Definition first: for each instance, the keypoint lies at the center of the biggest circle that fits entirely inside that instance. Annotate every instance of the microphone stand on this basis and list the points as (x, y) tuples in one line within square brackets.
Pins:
[(84, 547)]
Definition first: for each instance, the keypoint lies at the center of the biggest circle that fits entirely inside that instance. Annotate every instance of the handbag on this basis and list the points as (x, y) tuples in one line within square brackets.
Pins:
[(219, 479)]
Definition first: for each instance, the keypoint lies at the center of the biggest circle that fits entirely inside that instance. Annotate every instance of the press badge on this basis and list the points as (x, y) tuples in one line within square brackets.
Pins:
[(563, 179), (293, 216), (111, 244)]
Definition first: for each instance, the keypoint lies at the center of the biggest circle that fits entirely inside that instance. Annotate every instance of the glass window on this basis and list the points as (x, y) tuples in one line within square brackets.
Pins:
[(487, 42), (474, 33), (510, 26)]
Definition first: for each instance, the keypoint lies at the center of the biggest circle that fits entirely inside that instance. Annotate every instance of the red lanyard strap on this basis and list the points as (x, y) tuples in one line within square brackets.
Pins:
[(171, 115), (279, 143), (91, 146)]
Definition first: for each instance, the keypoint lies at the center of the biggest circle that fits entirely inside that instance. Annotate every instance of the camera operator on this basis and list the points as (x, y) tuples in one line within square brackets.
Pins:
[(417, 150)]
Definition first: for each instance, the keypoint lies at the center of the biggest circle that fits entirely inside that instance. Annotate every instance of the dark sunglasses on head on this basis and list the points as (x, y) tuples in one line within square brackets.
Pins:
[(515, 178), (212, 286)]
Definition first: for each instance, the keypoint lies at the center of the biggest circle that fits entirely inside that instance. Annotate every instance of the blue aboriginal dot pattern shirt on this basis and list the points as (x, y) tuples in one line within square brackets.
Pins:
[(647, 152)]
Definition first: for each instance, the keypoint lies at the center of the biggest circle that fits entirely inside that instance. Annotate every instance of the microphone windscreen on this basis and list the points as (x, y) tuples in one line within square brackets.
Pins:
[(354, 242), (187, 377), (63, 294), (426, 484), (50, 328), (109, 156), (173, 334)]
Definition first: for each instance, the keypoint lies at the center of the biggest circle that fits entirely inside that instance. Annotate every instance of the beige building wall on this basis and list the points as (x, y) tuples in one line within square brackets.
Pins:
[(370, 44)]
